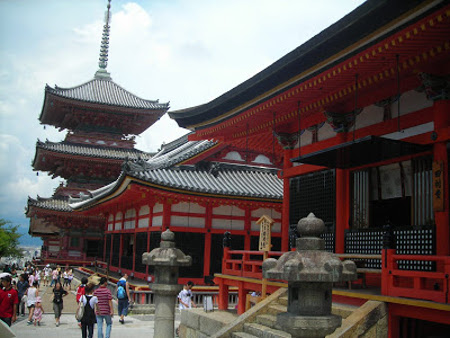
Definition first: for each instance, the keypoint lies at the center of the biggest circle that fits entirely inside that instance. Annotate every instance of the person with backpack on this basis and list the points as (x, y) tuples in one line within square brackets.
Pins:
[(123, 297), (81, 290), (89, 318)]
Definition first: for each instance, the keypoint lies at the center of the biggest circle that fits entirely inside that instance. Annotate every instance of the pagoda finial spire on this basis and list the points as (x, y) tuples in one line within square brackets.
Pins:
[(103, 60)]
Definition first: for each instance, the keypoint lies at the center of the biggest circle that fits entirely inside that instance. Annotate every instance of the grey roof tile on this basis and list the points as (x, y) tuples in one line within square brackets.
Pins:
[(51, 203)]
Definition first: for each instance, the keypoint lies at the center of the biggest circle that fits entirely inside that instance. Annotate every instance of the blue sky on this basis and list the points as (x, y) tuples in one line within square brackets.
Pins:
[(184, 51)]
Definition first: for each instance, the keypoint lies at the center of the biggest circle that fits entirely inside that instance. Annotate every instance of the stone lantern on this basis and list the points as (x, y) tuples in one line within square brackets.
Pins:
[(167, 259), (310, 272)]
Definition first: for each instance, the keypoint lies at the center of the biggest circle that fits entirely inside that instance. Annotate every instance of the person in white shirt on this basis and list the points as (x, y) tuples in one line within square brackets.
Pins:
[(185, 299)]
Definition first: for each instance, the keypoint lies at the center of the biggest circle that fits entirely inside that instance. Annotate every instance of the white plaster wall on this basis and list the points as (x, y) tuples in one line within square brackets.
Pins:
[(410, 102), (157, 221), (276, 227), (369, 116), (188, 208), (266, 211), (227, 224), (129, 224), (144, 210), (326, 132), (228, 210), (184, 221), (262, 160), (158, 207), (143, 222), (233, 156)]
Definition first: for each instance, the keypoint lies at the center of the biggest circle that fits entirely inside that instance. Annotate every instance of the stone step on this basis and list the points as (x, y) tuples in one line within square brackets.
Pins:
[(274, 309), (267, 320), (343, 310), (242, 335), (283, 301), (259, 330)]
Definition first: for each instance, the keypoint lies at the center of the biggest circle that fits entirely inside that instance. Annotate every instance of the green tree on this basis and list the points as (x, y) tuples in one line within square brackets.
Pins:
[(9, 239)]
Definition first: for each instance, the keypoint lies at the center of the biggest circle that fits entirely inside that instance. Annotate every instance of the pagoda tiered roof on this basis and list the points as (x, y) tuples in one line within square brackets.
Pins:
[(99, 103), (106, 92), (100, 152)]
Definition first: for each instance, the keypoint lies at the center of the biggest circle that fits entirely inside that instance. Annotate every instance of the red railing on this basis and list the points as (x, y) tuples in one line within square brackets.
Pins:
[(244, 263), (426, 285), (395, 282)]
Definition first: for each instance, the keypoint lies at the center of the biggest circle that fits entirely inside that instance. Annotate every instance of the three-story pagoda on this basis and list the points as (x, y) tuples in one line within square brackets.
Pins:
[(102, 120)]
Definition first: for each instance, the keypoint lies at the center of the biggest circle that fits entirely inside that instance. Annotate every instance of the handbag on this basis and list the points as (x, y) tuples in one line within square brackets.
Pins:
[(80, 310)]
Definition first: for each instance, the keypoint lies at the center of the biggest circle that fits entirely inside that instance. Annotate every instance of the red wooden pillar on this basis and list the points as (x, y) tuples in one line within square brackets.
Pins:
[(393, 323), (104, 239), (223, 295), (286, 199), (342, 208), (248, 228), (136, 221), (121, 241), (242, 293), (442, 121), (150, 221), (111, 241), (207, 252), (167, 206)]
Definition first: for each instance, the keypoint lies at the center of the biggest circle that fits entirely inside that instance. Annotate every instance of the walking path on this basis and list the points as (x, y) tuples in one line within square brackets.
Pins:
[(135, 326)]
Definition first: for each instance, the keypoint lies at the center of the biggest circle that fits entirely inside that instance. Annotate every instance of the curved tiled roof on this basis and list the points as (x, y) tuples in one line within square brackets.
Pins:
[(170, 156), (105, 91), (55, 204), (93, 151), (227, 182)]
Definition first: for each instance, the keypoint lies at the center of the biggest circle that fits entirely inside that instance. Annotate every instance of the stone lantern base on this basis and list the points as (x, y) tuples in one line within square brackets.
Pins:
[(308, 326)]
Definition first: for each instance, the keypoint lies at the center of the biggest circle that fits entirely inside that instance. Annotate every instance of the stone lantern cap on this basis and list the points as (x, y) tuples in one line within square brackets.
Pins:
[(167, 254), (310, 262)]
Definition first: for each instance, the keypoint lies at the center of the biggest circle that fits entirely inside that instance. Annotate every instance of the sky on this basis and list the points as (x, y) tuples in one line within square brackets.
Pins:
[(186, 52)]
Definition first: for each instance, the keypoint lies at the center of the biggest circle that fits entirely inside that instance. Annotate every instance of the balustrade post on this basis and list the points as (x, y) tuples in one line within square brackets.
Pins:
[(387, 259)]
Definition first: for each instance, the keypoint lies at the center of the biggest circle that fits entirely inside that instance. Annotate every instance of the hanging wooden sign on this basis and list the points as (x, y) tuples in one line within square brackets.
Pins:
[(438, 186), (265, 223)]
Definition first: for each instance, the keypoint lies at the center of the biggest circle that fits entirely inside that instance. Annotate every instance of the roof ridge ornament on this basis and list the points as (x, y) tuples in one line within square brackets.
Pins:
[(103, 59)]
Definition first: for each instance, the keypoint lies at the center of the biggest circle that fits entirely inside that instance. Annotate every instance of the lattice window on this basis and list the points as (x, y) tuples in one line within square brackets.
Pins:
[(315, 193), (420, 241), (365, 242)]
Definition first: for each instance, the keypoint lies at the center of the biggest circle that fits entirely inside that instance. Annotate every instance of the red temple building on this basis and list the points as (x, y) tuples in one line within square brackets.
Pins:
[(362, 115), (198, 189), (102, 120)]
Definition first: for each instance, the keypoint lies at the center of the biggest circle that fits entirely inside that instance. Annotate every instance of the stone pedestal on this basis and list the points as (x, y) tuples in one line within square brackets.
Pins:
[(310, 272), (167, 259)]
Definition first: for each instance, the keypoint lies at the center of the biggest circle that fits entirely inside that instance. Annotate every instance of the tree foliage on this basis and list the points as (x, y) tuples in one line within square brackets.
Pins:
[(9, 239)]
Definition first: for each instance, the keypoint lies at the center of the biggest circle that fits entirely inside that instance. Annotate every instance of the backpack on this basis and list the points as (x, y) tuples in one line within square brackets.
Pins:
[(80, 292), (89, 314), (121, 293)]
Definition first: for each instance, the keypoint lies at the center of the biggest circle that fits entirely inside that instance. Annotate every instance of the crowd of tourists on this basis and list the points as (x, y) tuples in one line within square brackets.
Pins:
[(94, 299)]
